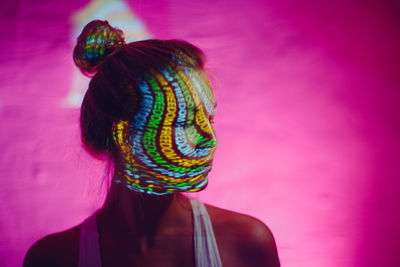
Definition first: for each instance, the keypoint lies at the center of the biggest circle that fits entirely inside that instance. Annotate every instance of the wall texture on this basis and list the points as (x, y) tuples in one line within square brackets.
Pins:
[(308, 120)]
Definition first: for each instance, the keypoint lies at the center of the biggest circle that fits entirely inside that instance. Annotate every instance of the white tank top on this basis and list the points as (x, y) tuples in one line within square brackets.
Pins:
[(205, 247)]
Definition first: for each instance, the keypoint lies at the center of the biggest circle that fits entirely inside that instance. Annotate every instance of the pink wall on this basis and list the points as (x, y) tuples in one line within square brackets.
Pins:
[(308, 122)]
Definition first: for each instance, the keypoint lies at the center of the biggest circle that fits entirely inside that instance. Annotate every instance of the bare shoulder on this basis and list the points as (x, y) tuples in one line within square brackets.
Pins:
[(243, 240), (59, 249)]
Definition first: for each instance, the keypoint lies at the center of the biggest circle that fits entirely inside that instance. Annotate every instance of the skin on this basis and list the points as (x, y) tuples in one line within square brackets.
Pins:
[(159, 232), (170, 143), (242, 240)]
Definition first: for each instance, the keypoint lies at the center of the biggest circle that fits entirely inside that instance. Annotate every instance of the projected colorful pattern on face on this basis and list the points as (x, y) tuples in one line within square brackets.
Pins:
[(170, 143)]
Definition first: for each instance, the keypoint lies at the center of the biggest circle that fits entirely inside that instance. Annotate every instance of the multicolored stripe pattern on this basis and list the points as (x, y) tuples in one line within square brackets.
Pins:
[(170, 143), (99, 42)]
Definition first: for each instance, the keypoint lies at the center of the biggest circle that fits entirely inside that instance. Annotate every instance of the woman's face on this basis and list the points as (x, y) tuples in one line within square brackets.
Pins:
[(170, 143)]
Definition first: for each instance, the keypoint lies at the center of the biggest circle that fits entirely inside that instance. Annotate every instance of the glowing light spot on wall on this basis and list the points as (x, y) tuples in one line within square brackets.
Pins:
[(120, 15)]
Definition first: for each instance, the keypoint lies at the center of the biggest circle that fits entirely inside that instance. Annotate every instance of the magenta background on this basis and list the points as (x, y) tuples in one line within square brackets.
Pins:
[(308, 122)]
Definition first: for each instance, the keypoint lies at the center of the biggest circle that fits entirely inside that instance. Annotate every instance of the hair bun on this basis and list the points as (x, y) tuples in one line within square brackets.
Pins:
[(96, 41)]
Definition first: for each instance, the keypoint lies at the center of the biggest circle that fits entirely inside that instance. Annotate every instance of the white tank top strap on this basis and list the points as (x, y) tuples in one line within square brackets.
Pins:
[(89, 249), (205, 245)]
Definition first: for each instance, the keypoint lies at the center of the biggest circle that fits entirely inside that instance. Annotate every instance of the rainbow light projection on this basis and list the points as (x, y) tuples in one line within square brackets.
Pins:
[(170, 143), (119, 14), (101, 41)]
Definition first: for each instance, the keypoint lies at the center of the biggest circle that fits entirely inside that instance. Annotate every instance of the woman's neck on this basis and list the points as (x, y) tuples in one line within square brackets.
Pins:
[(131, 213)]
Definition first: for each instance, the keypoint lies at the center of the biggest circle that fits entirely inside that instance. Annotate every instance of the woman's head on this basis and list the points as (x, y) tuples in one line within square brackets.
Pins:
[(149, 106)]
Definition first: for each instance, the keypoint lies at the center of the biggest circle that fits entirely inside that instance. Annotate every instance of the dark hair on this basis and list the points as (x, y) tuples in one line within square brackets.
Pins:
[(116, 68)]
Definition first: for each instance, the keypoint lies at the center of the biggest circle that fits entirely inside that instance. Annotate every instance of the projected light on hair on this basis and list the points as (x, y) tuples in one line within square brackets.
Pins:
[(170, 143), (100, 42), (119, 14)]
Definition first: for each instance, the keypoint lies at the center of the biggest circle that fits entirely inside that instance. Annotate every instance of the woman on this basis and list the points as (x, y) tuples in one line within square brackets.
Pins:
[(149, 110)]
